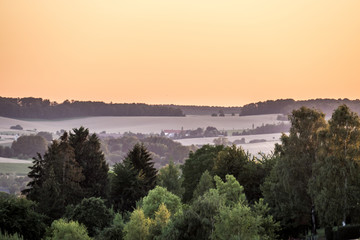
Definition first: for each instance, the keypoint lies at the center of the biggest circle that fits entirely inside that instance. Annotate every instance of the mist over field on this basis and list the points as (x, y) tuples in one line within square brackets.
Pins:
[(142, 124)]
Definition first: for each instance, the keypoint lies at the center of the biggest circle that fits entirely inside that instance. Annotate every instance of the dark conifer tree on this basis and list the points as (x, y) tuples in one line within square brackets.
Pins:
[(126, 187), (140, 158), (36, 174), (133, 178), (89, 156)]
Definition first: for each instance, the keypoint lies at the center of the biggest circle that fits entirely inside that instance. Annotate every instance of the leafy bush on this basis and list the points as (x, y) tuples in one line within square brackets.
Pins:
[(61, 229), (158, 196)]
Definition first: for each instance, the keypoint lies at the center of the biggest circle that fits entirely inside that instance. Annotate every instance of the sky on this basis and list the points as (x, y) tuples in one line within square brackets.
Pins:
[(193, 52)]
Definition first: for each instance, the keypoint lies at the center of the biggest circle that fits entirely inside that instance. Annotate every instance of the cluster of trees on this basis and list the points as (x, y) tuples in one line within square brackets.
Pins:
[(44, 109), (198, 133), (265, 129), (72, 191), (316, 179), (27, 146), (312, 180), (161, 148), (285, 106)]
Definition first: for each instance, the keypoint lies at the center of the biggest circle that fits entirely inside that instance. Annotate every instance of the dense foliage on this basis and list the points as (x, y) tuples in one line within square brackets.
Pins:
[(311, 181), (18, 215), (72, 168), (161, 148)]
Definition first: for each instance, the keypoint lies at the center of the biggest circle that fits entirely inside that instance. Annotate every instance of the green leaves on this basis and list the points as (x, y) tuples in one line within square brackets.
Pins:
[(169, 178), (158, 196), (63, 230)]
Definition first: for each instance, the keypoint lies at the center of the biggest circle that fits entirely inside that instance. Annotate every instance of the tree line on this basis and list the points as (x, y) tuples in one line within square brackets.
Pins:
[(285, 106), (39, 108), (311, 181)]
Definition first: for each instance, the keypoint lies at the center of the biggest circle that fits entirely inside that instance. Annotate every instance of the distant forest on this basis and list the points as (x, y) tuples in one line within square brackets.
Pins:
[(285, 106), (38, 108), (205, 110), (280, 106)]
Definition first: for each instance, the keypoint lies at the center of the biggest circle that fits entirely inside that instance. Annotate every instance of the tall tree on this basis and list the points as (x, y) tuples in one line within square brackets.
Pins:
[(336, 186), (291, 174), (126, 187), (140, 158), (133, 178), (36, 174), (56, 178), (60, 180), (89, 156)]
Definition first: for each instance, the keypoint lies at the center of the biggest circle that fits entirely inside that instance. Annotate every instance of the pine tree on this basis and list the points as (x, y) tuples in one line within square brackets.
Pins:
[(56, 179), (140, 159), (126, 187), (133, 178), (89, 156), (36, 174)]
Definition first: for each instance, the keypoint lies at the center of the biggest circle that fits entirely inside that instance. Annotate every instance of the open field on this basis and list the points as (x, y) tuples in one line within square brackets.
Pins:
[(13, 160), (19, 167), (141, 124), (152, 125), (253, 148)]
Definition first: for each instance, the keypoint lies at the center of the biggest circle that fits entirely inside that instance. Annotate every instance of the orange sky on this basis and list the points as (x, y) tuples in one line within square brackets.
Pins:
[(205, 52)]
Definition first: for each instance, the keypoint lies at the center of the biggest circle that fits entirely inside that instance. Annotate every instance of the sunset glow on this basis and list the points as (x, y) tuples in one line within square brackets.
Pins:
[(203, 52)]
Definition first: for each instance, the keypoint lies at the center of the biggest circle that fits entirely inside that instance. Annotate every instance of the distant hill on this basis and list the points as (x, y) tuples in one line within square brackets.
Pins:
[(38, 108), (285, 106), (205, 110)]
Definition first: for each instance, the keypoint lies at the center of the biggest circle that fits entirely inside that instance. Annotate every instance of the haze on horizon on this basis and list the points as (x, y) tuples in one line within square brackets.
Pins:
[(203, 52)]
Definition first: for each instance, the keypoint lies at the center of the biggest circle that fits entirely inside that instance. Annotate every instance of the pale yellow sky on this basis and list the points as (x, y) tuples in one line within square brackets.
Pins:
[(205, 52)]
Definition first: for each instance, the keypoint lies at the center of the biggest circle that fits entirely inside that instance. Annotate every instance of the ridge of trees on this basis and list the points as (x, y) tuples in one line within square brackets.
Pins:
[(39, 108), (285, 106)]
